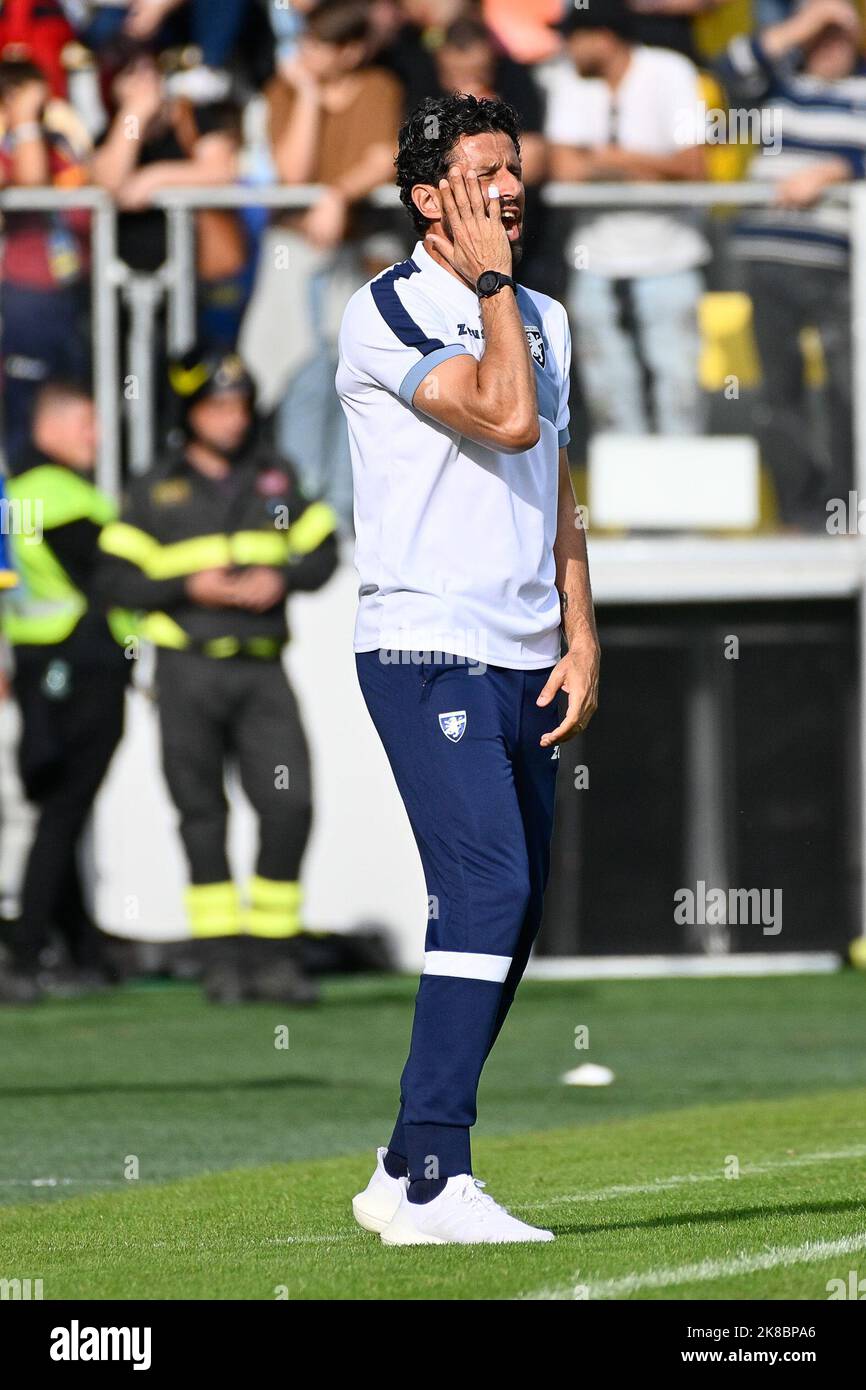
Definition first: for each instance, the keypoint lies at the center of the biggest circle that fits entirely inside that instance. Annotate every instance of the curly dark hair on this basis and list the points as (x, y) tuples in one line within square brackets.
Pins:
[(428, 137)]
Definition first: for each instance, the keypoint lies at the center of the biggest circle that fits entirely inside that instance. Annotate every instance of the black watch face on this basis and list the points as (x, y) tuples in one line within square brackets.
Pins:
[(488, 282)]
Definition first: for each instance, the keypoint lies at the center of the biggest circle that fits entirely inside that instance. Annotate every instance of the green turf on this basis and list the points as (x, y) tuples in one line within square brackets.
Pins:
[(248, 1154)]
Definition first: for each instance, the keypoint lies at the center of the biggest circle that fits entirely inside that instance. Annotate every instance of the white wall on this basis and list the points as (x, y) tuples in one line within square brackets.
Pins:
[(361, 865)]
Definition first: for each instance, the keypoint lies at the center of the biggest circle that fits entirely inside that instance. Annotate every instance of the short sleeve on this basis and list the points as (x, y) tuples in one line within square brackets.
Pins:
[(393, 337), (566, 119), (563, 414), (679, 91)]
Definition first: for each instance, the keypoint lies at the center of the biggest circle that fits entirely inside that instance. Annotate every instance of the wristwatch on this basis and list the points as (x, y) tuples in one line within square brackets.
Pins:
[(491, 282)]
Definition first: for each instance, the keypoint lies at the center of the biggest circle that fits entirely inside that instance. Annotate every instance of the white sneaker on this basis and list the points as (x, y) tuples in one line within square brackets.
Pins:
[(375, 1206), (462, 1214)]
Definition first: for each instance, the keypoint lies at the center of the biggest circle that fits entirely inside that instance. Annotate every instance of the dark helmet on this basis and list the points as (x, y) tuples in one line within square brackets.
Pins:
[(203, 372)]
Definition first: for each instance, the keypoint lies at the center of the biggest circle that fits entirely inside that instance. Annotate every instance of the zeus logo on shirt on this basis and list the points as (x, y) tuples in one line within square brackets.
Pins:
[(453, 724), (464, 331)]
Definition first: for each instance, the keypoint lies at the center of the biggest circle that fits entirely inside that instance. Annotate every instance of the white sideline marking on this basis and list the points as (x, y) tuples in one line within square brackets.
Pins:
[(609, 1194), (55, 1182), (780, 1256)]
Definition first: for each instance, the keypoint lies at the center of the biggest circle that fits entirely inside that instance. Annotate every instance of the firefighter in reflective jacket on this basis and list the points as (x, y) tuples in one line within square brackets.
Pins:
[(209, 545)]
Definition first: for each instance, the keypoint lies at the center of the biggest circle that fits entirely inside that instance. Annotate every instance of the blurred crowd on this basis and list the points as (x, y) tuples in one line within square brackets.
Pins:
[(138, 96)]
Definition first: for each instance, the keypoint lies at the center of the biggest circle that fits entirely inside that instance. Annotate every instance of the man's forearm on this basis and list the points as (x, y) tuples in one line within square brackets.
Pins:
[(688, 165), (572, 567), (373, 169), (118, 157), (30, 166), (506, 379), (295, 149)]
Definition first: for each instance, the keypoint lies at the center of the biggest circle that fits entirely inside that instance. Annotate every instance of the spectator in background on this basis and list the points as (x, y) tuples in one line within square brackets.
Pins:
[(43, 282), (212, 26), (333, 121), (523, 27), (809, 73), (616, 112), (469, 60), (36, 31), (411, 44), (71, 673), (160, 140)]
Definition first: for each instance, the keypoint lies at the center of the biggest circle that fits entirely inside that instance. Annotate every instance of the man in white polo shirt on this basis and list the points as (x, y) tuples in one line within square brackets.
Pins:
[(620, 112), (472, 563)]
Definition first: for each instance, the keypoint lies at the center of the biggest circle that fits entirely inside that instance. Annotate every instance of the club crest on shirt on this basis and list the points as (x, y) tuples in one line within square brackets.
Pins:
[(536, 344), (453, 724)]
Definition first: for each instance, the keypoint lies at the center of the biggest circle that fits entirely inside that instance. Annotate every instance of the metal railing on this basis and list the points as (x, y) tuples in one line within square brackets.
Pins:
[(104, 304), (176, 279)]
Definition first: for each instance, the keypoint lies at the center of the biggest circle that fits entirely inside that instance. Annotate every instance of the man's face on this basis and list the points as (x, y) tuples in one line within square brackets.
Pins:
[(466, 69), (590, 50), (833, 55), (67, 432), (221, 421), (495, 160)]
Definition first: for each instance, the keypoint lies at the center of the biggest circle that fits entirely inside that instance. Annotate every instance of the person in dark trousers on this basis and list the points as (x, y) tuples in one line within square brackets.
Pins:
[(210, 544), (70, 677)]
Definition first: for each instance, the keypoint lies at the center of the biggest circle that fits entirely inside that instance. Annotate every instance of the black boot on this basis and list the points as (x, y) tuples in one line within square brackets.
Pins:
[(222, 978), (18, 985), (274, 972)]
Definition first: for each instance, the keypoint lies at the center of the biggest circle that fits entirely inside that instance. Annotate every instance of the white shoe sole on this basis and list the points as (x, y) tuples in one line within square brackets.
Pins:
[(368, 1220), (407, 1236), (402, 1236)]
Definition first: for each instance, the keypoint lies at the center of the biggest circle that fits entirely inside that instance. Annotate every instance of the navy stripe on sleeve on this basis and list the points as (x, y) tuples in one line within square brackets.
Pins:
[(393, 311)]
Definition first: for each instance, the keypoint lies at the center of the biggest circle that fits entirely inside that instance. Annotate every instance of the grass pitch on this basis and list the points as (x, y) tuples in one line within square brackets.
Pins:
[(728, 1160)]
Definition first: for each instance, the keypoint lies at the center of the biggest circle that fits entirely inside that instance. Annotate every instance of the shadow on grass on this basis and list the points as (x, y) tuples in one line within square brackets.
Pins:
[(708, 1218), (157, 1088)]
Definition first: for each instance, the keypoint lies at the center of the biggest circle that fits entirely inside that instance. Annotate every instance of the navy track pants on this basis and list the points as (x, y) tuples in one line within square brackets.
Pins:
[(463, 743)]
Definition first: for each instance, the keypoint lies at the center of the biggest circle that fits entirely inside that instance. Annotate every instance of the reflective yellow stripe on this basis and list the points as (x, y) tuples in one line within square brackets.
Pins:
[(165, 561), (265, 647), (42, 629), (213, 909), (313, 526), (275, 908), (222, 647), (216, 552), (190, 557), (163, 631), (58, 496), (128, 543), (124, 625), (260, 548)]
